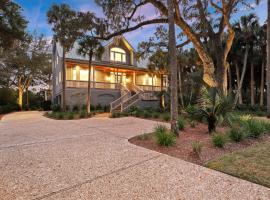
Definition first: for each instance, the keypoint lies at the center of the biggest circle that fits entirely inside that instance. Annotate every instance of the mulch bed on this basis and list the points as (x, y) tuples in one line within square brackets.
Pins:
[(183, 147)]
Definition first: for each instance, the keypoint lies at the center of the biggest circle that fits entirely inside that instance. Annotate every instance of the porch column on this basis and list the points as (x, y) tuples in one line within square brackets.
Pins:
[(134, 78)]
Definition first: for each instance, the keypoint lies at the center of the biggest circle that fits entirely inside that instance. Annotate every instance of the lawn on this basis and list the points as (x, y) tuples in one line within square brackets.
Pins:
[(252, 164)]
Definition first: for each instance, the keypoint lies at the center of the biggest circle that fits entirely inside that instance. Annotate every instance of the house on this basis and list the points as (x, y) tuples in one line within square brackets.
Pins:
[(118, 79)]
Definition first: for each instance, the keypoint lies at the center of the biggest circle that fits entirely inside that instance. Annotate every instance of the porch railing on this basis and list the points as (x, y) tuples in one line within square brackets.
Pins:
[(151, 88), (98, 85)]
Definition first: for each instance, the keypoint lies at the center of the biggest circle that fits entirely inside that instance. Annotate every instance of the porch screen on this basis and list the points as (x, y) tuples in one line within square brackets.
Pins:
[(84, 75)]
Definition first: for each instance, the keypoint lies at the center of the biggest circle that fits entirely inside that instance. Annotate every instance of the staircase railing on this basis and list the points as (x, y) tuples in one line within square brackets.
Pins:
[(125, 94)]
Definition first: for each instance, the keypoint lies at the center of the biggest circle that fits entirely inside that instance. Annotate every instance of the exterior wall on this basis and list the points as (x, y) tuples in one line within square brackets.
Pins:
[(76, 96), (57, 75), (129, 55), (147, 104)]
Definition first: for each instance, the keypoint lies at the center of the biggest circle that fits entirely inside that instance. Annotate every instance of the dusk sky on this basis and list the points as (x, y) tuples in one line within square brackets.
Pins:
[(35, 13)]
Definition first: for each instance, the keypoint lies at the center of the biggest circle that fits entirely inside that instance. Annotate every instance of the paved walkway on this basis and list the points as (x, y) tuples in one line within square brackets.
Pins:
[(89, 159)]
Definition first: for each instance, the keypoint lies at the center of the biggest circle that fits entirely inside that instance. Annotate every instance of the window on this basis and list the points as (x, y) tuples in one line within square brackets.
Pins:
[(60, 77), (118, 54), (74, 74), (83, 75)]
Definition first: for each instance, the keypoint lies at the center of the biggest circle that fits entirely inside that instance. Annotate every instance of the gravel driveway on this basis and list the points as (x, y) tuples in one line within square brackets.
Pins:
[(88, 159)]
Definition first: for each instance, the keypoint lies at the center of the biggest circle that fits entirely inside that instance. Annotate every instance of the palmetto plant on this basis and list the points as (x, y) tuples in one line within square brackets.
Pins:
[(215, 107)]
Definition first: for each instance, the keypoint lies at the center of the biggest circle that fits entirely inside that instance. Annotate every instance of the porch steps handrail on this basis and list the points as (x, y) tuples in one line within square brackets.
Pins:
[(117, 103)]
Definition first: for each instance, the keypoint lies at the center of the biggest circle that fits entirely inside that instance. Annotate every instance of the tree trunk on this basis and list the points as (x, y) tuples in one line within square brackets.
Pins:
[(20, 97), (64, 80), (242, 76), (180, 86), (27, 98), (162, 97), (252, 96), (262, 84), (173, 68), (89, 85), (240, 99), (268, 59), (230, 80)]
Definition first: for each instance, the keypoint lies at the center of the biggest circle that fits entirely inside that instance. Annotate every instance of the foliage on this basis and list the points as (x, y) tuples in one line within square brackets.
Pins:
[(12, 24), (254, 128), (75, 108), (197, 147), (166, 117), (236, 134), (218, 140), (83, 114), (164, 137), (181, 123), (115, 114), (70, 115), (215, 107), (56, 108)]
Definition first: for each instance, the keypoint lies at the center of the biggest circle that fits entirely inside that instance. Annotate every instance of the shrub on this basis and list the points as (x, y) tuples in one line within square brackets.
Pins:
[(166, 117), (75, 108), (70, 115), (254, 128), (83, 114), (106, 108), (99, 107), (181, 123), (56, 108), (46, 105), (84, 107), (115, 114), (164, 137), (144, 136), (60, 115), (196, 147), (155, 115), (9, 108), (218, 140), (236, 134), (146, 114)]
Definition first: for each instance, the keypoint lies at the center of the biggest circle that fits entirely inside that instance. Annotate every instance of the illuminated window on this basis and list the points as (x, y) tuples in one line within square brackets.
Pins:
[(74, 74), (83, 75), (118, 55)]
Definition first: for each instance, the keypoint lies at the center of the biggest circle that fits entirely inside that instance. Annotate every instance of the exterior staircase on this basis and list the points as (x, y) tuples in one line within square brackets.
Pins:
[(129, 98)]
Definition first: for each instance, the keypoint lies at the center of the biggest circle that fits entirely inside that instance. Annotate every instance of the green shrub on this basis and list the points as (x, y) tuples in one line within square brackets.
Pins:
[(56, 108), (60, 115), (164, 137), (115, 114), (9, 108), (83, 114), (196, 147), (254, 128), (236, 134), (144, 136), (166, 117), (84, 107), (181, 123), (99, 107), (70, 115), (218, 140), (155, 115), (146, 114), (75, 108)]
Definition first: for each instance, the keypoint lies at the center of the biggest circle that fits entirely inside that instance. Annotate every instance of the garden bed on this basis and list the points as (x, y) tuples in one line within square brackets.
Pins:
[(183, 147)]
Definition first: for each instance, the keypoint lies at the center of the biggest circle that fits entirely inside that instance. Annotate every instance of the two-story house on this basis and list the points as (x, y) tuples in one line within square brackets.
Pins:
[(118, 79)]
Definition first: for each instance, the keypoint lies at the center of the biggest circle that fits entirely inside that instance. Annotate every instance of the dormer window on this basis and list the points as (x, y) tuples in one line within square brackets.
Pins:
[(118, 55)]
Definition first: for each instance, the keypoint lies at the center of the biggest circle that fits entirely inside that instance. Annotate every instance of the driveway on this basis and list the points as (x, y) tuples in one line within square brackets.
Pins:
[(88, 159)]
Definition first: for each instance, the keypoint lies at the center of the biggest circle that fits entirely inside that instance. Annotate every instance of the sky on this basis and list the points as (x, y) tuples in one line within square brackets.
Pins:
[(35, 12)]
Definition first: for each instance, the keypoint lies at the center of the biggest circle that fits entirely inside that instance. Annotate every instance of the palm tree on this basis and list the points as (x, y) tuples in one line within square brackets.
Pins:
[(66, 30), (173, 68), (91, 47), (246, 31)]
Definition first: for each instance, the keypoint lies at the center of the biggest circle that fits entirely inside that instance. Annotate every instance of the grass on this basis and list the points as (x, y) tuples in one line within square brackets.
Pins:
[(218, 140), (164, 137), (252, 164)]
